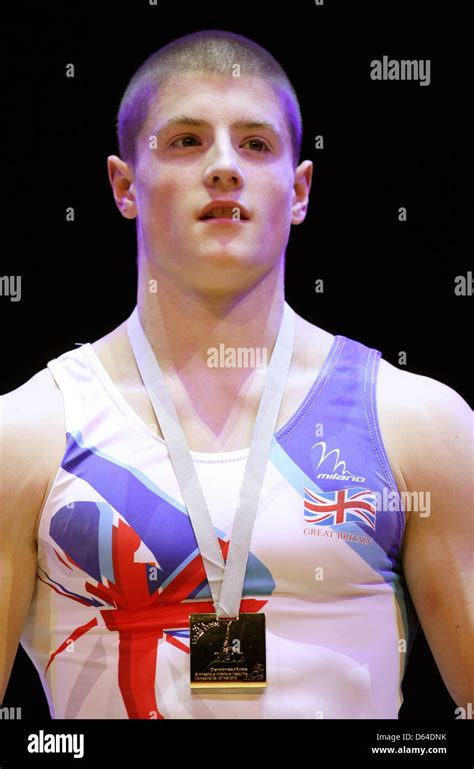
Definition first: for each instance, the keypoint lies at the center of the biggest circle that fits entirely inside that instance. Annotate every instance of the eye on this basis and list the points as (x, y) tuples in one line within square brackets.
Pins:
[(261, 142), (183, 138)]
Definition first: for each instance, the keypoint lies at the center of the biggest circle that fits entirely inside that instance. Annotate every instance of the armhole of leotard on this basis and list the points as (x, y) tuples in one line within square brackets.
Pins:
[(371, 409)]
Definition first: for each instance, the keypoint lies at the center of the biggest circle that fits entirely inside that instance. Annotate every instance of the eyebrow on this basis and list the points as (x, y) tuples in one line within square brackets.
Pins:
[(196, 123)]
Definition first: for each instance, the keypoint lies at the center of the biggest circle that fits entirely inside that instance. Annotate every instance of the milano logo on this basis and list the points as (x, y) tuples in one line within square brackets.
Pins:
[(331, 467)]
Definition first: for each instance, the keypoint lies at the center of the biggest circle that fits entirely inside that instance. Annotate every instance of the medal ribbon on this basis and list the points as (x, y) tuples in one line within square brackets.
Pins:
[(226, 580)]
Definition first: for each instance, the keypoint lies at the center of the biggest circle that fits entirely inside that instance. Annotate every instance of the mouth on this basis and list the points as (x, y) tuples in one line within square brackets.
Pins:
[(222, 220), (225, 214)]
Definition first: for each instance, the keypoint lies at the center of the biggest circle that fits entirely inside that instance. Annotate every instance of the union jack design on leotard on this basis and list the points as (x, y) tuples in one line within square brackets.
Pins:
[(333, 508)]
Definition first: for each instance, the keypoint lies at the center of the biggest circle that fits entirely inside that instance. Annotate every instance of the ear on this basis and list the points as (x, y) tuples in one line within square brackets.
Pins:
[(121, 180), (301, 188)]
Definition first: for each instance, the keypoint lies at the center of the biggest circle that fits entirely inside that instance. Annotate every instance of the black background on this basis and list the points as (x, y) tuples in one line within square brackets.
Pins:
[(388, 284)]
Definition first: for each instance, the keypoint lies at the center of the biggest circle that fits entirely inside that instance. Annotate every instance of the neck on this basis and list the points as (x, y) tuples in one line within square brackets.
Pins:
[(181, 324)]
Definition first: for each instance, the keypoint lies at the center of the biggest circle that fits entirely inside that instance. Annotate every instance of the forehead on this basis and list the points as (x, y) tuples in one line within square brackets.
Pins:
[(216, 99)]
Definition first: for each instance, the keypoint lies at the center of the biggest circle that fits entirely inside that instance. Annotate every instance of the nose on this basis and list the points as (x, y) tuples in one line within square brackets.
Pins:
[(223, 169)]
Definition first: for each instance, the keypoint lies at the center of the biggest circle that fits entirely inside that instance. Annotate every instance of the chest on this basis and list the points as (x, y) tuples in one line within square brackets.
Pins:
[(216, 420), (218, 425)]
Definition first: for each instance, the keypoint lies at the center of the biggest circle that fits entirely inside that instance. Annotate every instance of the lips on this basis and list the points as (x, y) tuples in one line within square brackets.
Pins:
[(220, 213), (224, 209)]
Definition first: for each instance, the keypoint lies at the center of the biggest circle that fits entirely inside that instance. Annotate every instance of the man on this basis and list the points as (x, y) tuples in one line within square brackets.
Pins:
[(100, 567)]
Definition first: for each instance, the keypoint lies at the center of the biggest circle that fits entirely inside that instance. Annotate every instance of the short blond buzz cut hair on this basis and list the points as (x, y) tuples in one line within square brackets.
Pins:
[(213, 51)]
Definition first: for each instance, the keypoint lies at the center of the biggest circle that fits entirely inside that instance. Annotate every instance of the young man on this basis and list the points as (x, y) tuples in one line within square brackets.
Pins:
[(99, 561)]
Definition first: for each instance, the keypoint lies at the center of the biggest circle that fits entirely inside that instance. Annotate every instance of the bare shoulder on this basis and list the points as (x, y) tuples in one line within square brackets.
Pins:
[(418, 415), (419, 396)]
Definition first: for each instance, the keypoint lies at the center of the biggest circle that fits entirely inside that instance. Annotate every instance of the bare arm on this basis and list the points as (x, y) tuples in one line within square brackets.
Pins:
[(438, 553), (23, 481)]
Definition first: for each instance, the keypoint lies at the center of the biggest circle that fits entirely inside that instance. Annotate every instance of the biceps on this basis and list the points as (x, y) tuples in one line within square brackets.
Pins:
[(17, 580), (439, 569)]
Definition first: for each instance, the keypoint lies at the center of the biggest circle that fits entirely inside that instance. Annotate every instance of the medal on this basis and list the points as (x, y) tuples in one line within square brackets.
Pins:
[(227, 652), (227, 649)]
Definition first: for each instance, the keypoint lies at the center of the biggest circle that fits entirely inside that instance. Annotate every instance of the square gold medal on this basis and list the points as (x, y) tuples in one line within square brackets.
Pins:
[(227, 653)]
